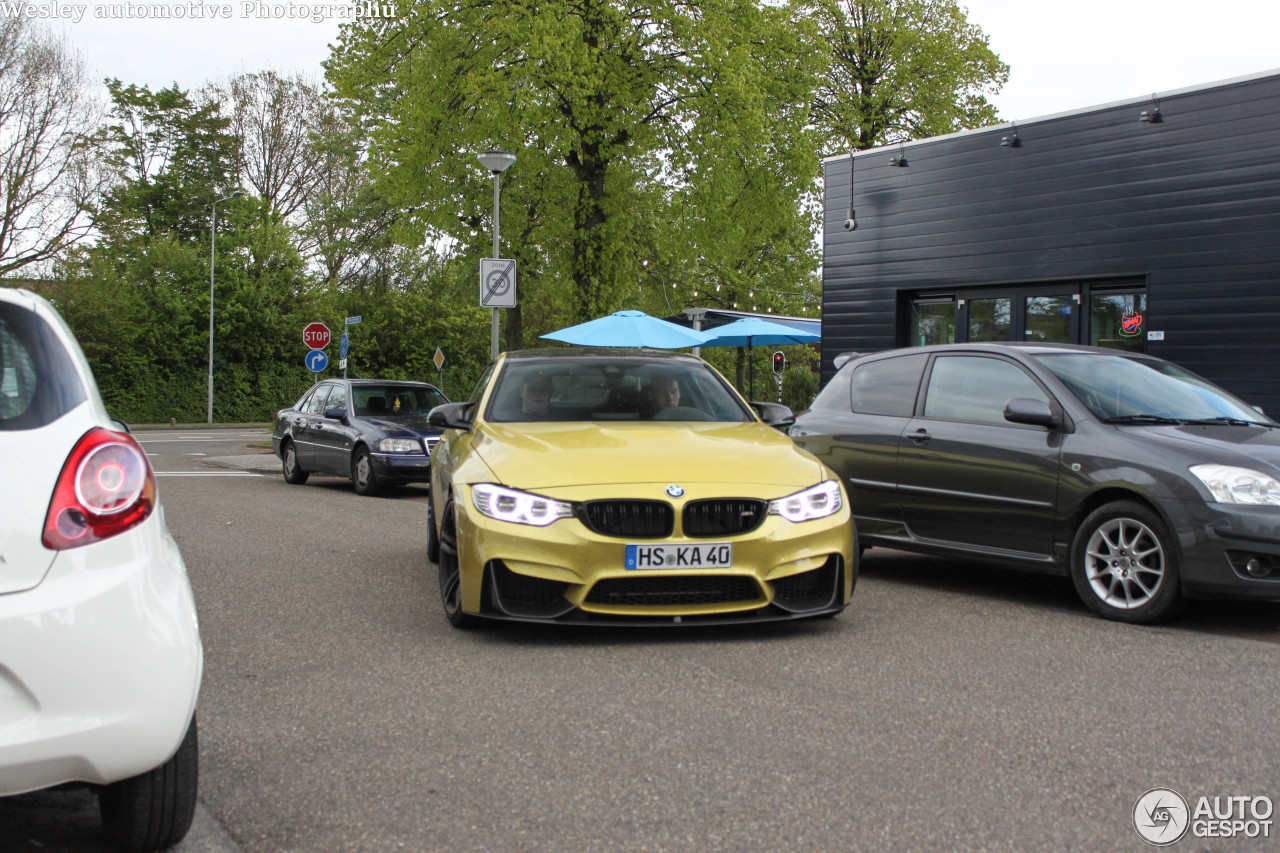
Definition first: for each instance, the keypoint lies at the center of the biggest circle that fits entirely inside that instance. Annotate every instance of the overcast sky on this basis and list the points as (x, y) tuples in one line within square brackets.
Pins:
[(1063, 56)]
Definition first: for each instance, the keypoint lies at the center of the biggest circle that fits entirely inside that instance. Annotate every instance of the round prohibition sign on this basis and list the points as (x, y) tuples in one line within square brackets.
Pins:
[(498, 282)]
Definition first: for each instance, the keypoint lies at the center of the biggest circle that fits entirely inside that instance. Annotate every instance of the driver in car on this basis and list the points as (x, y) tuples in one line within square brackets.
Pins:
[(663, 393)]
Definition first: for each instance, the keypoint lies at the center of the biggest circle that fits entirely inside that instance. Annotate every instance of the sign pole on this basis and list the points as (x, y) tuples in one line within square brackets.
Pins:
[(493, 327)]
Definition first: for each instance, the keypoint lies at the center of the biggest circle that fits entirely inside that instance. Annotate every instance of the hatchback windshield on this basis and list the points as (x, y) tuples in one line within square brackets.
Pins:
[(613, 389), (1120, 389), (394, 400)]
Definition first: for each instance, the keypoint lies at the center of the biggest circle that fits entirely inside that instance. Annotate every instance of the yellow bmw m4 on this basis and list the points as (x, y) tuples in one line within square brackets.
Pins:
[(631, 487)]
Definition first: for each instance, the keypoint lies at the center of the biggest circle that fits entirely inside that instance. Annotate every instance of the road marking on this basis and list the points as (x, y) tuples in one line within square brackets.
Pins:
[(183, 440)]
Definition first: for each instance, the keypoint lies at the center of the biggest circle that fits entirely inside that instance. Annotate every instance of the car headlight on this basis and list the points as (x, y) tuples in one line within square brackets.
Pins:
[(400, 445), (818, 501), (518, 507), (1231, 485)]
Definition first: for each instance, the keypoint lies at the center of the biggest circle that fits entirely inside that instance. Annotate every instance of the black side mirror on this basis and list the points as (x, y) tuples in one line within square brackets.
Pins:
[(1026, 410), (775, 415), (451, 416), (336, 414)]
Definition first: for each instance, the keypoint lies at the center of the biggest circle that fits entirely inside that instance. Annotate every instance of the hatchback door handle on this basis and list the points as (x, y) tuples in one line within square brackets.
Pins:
[(919, 436)]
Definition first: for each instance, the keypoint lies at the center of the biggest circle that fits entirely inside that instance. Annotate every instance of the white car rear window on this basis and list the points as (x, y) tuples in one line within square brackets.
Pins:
[(38, 381)]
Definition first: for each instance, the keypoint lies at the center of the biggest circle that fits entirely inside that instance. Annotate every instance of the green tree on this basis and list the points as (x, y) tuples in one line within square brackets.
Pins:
[(615, 112), (902, 69)]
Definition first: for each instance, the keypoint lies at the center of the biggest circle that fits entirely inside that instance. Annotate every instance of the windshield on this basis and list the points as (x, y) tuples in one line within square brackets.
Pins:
[(617, 388), (1116, 388), (392, 400)]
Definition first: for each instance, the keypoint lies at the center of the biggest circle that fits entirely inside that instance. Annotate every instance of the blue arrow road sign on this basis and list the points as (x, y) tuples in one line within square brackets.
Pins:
[(316, 360), (344, 344)]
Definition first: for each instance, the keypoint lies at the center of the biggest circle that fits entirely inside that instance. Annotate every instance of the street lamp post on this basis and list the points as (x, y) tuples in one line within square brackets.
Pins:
[(213, 242), (496, 162)]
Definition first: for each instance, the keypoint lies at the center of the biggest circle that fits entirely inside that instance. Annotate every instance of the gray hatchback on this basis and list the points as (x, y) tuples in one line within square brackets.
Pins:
[(1140, 480)]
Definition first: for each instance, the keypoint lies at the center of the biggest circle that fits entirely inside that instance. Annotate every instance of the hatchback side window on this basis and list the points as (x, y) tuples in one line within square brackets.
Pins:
[(888, 386), (975, 388), (315, 406)]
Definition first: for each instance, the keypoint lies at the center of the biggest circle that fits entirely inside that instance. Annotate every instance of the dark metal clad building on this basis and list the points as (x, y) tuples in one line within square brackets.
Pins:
[(1151, 224)]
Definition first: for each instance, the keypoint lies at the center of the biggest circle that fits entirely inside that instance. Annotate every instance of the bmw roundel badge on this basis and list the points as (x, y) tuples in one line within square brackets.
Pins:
[(675, 491)]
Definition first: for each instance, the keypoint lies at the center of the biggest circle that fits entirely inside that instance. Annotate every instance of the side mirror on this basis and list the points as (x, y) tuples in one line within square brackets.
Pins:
[(1025, 410), (451, 416), (775, 415), (336, 414)]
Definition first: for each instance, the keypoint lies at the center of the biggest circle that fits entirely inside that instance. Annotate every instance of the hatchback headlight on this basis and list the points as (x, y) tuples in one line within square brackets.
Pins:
[(1231, 485), (818, 501), (518, 507), (400, 445)]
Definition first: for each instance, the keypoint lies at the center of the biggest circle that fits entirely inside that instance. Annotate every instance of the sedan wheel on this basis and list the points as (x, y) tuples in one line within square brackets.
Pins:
[(293, 472), (362, 476), (1124, 566), (450, 573)]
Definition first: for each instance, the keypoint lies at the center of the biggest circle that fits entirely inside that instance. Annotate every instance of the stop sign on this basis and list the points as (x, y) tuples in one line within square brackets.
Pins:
[(316, 336)]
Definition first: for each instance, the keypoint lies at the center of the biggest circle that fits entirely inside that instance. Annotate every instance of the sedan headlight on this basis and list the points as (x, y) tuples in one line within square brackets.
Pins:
[(818, 501), (400, 445), (1231, 485), (518, 507)]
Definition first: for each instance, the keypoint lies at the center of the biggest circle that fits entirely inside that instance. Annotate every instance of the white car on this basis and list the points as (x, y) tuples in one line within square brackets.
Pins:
[(100, 654)]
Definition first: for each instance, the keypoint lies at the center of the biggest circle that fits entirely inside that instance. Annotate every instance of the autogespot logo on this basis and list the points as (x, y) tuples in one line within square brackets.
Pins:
[(1161, 817)]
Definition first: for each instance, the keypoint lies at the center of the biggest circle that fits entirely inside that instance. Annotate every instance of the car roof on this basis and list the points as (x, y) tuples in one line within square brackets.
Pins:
[(1021, 348), (600, 352)]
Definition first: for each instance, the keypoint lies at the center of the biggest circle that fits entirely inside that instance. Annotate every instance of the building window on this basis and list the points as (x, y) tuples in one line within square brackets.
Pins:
[(990, 319), (1118, 320), (933, 321)]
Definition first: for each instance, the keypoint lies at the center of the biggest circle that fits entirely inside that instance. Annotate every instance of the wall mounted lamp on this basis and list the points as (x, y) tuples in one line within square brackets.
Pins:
[(1012, 140), (1152, 116), (899, 159)]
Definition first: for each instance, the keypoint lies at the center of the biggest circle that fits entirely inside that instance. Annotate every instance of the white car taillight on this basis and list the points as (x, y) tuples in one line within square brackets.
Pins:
[(106, 487)]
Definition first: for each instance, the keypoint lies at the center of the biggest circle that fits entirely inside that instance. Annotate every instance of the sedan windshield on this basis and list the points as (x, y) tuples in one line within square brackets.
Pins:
[(392, 400), (616, 388), (1120, 389)]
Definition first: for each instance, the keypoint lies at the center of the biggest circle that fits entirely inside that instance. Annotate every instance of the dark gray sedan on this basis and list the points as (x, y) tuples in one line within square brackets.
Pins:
[(372, 431), (1140, 480)]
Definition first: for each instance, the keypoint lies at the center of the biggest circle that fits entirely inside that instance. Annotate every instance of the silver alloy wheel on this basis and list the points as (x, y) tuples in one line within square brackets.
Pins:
[(363, 467), (1124, 563), (290, 461)]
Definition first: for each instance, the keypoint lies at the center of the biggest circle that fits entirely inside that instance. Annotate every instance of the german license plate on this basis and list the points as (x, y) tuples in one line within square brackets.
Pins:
[(704, 555)]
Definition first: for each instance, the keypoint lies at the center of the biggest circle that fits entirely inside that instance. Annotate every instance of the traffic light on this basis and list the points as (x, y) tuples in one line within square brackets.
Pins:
[(779, 363)]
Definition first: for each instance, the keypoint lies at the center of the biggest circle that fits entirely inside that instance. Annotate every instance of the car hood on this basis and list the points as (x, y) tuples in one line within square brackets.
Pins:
[(554, 455), (403, 425), (1222, 443)]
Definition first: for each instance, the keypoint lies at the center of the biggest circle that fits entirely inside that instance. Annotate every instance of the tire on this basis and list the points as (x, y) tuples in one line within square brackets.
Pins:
[(153, 811), (362, 476), (449, 570), (293, 472), (1124, 564), (433, 541)]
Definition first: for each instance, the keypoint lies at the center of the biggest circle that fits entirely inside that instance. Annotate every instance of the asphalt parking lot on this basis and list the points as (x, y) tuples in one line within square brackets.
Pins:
[(953, 706)]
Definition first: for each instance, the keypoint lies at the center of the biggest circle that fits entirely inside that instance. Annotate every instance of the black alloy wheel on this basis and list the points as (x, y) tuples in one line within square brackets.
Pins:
[(450, 573), (293, 472), (1124, 564), (362, 476)]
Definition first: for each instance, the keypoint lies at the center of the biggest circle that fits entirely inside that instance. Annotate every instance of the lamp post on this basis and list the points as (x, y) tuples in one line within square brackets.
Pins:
[(213, 242), (496, 162)]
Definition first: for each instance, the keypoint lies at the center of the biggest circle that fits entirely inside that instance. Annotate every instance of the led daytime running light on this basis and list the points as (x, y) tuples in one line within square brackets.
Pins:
[(518, 507), (817, 501)]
